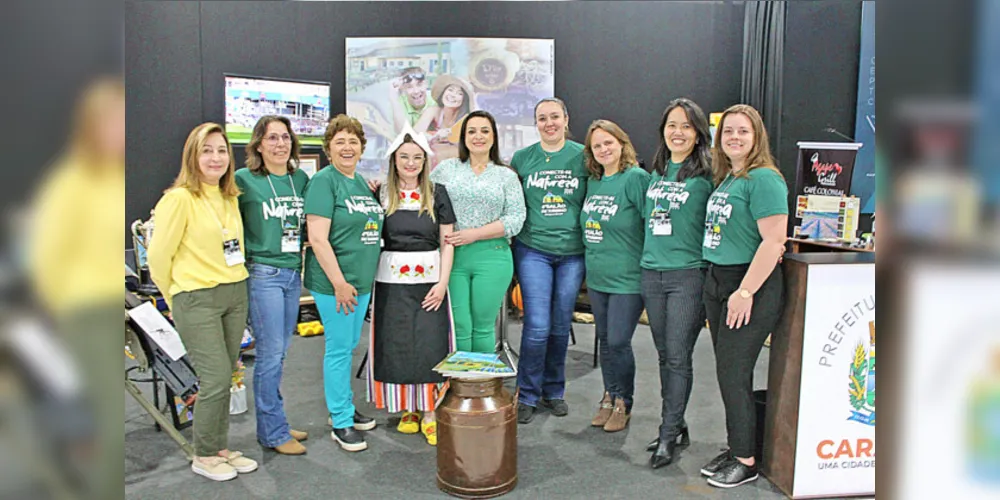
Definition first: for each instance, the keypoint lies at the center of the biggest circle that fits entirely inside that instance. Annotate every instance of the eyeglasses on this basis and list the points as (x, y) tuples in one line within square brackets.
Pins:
[(275, 138), (417, 160), (414, 76)]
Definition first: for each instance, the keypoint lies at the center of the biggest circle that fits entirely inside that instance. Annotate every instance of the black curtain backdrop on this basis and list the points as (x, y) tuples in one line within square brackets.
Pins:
[(764, 62)]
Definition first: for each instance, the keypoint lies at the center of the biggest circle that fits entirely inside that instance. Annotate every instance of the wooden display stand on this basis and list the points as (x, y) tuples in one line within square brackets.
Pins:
[(816, 444), (801, 245)]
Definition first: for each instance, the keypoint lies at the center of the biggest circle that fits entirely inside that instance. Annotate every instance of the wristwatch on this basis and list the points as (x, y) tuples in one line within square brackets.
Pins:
[(744, 293)]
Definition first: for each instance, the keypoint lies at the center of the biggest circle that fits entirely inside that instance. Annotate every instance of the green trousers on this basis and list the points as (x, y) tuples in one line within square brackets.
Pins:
[(211, 321), (479, 279), (93, 337)]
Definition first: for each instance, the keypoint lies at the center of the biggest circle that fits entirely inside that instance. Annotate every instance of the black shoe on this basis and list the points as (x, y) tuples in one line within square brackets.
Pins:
[(363, 423), (349, 439), (733, 474), (558, 407), (663, 455), (716, 464), (684, 438), (653, 445), (525, 413)]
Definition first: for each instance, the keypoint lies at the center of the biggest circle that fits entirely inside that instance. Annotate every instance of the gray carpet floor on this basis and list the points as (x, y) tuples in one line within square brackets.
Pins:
[(557, 457)]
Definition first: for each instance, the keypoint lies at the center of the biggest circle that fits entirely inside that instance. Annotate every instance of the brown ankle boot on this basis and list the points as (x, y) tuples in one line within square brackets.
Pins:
[(603, 412), (290, 447), (619, 418), (298, 435)]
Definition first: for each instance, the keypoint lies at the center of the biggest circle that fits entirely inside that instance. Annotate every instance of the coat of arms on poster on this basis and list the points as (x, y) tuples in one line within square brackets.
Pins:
[(433, 83)]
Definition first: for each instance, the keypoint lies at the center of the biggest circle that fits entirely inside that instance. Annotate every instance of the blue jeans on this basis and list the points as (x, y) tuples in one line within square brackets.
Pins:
[(616, 316), (342, 331), (549, 286), (274, 311)]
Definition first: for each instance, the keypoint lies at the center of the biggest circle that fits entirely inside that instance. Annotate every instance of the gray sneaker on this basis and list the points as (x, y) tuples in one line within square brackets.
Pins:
[(557, 407)]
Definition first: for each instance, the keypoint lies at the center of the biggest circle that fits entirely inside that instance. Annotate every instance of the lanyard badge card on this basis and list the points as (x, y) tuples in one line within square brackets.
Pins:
[(230, 246), (231, 250), (661, 224), (290, 236)]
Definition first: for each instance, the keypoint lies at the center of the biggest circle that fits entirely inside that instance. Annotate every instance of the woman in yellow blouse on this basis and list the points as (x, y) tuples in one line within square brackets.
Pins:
[(72, 248), (196, 259)]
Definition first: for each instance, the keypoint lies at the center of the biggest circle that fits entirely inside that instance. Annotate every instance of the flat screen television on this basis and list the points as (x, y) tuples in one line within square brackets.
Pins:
[(305, 103)]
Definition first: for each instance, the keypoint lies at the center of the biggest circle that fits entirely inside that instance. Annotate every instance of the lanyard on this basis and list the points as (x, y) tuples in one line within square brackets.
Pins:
[(729, 177), (662, 181), (275, 193), (723, 189), (215, 215)]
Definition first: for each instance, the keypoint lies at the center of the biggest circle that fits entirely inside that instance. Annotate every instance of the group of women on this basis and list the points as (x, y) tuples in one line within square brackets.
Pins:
[(432, 250), (698, 237)]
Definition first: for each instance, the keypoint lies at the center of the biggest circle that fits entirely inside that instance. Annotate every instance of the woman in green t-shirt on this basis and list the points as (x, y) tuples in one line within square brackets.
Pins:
[(345, 223), (548, 258), (745, 232), (673, 271), (271, 203), (612, 235)]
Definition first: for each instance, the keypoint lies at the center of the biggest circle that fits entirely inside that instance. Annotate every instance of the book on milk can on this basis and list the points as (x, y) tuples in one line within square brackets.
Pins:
[(474, 365)]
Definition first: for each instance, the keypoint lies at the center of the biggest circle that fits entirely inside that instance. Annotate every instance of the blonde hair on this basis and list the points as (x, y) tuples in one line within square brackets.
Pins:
[(190, 175), (424, 185), (760, 153), (94, 102), (628, 159)]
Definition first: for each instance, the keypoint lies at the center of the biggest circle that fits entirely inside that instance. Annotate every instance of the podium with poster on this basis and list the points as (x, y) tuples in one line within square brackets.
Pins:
[(819, 432)]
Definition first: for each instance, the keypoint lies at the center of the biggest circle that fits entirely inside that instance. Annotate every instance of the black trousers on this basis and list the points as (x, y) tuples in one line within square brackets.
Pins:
[(736, 351), (676, 314)]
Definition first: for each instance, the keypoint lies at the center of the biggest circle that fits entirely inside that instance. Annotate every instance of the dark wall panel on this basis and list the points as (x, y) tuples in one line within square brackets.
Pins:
[(822, 40), (618, 60), (163, 96), (822, 44)]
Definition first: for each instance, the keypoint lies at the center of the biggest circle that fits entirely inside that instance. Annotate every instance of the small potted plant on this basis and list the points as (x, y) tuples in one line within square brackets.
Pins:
[(238, 390)]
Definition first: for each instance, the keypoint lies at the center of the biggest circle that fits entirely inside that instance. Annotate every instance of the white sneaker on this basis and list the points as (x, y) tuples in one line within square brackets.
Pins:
[(242, 464), (214, 468)]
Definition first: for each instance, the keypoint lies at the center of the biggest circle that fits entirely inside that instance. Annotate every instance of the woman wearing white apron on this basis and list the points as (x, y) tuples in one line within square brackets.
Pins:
[(411, 326)]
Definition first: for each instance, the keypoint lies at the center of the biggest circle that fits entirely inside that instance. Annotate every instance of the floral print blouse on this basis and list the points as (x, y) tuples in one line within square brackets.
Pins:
[(481, 199)]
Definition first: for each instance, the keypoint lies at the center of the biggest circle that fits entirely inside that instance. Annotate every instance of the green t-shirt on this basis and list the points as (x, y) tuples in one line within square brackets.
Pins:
[(675, 221), (612, 231), (413, 114), (269, 204), (554, 185), (731, 234), (355, 229)]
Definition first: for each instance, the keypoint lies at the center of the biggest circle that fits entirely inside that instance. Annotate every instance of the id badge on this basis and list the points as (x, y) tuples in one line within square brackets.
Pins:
[(290, 238), (662, 225), (231, 250), (709, 237)]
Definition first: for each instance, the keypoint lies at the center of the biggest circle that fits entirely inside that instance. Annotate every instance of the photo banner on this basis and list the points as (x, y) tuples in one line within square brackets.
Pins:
[(825, 168), (433, 83), (863, 183)]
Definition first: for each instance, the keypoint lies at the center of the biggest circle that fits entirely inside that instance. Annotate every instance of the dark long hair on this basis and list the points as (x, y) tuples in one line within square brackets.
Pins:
[(699, 162), (463, 150)]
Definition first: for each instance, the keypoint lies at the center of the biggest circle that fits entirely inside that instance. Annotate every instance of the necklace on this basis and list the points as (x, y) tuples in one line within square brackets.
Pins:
[(548, 156)]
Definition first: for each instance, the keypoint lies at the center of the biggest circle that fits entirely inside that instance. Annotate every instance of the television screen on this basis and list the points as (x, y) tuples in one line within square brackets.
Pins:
[(306, 104)]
